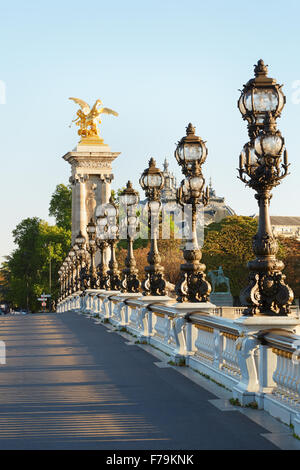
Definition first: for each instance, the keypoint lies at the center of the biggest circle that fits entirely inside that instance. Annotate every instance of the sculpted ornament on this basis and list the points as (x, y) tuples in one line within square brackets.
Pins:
[(92, 164), (88, 120), (154, 284), (267, 293), (265, 244), (193, 287)]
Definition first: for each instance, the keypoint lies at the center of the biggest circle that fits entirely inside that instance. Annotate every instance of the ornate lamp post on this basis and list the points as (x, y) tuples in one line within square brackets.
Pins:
[(102, 244), (77, 268), (130, 282), (80, 241), (152, 181), (69, 279), (72, 256), (191, 153), (190, 149), (65, 279), (113, 237), (92, 248), (60, 275), (263, 164)]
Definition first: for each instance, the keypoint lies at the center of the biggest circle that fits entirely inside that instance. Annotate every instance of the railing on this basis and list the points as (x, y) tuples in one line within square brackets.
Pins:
[(285, 351), (259, 364)]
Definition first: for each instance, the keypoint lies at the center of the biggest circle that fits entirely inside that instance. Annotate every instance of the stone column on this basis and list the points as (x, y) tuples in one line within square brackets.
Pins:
[(79, 219), (105, 189)]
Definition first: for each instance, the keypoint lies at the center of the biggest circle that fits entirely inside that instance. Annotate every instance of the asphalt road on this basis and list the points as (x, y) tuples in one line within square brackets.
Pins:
[(70, 384)]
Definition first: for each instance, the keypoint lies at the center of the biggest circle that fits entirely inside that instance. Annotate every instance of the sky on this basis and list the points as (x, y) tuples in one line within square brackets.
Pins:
[(160, 65)]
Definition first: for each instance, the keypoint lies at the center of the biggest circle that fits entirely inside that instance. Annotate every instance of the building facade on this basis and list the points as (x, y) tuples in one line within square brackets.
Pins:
[(286, 226), (215, 211)]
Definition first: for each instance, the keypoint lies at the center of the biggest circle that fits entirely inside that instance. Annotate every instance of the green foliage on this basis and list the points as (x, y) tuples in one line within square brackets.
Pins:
[(32, 267), (235, 402), (253, 405), (290, 255), (229, 244), (61, 206)]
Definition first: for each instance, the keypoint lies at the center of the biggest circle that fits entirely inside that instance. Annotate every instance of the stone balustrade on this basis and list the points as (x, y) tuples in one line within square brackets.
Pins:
[(257, 358)]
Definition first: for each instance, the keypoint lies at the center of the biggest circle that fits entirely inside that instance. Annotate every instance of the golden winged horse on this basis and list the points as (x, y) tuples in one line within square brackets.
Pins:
[(88, 119)]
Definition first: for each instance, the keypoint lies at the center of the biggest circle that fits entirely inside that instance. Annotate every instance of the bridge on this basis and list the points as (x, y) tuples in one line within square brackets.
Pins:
[(131, 361), (74, 380)]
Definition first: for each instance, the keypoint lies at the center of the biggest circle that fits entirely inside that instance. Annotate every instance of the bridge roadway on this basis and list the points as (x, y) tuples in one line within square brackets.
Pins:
[(69, 383)]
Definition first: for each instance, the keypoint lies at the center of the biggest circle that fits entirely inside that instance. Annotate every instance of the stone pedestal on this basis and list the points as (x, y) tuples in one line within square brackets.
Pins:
[(222, 299), (193, 307), (91, 178), (155, 299), (120, 310)]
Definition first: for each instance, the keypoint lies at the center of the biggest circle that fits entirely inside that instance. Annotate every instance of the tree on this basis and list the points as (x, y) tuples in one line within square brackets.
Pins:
[(290, 255), (31, 268), (20, 267), (61, 206), (229, 244), (53, 245)]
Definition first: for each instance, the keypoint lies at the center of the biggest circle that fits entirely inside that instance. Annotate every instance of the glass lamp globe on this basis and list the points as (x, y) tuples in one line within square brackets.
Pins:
[(129, 196), (113, 231), (110, 209), (190, 149), (80, 240), (196, 183), (91, 230), (269, 145), (261, 95), (152, 177), (101, 226)]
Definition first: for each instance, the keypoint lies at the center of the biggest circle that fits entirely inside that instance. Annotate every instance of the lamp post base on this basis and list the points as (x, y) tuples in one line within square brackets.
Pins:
[(193, 287), (267, 294)]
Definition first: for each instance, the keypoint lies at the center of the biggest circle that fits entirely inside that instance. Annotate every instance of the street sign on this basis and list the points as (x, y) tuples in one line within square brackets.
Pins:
[(45, 295)]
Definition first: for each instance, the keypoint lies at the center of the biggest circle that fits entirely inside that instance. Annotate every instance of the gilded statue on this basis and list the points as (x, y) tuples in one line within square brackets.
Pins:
[(88, 119)]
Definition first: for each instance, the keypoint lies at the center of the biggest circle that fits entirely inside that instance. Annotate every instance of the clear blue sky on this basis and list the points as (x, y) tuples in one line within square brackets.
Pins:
[(160, 64)]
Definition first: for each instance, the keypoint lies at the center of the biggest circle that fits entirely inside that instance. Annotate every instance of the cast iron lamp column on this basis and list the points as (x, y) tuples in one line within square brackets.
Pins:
[(83, 262), (65, 282), (191, 153), (152, 181), (77, 267), (60, 275), (113, 237), (92, 248), (69, 271), (263, 164), (102, 244), (72, 256), (130, 282)]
